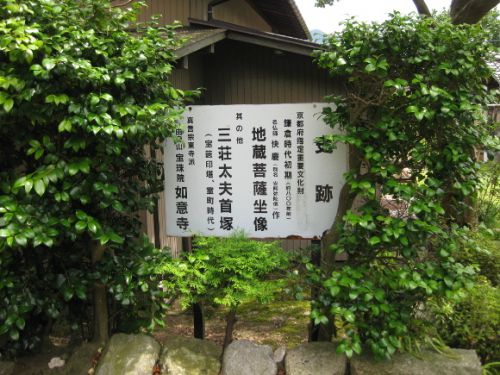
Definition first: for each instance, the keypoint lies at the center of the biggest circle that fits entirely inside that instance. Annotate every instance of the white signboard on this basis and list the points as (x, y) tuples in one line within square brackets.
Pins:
[(255, 168)]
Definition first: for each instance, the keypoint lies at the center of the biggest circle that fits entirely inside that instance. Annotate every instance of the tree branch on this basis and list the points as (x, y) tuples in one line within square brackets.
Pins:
[(470, 11), (422, 8), (346, 200)]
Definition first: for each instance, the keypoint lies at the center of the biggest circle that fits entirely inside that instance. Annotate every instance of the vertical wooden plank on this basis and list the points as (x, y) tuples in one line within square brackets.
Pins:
[(241, 13), (165, 241), (153, 8), (273, 85), (254, 81), (232, 92), (287, 81), (240, 94), (266, 77)]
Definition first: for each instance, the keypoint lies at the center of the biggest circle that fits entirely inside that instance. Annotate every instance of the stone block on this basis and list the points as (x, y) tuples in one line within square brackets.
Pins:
[(315, 358), (129, 355)]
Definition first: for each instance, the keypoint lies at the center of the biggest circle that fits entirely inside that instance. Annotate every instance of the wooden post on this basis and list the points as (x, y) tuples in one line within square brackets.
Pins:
[(198, 318), (101, 314)]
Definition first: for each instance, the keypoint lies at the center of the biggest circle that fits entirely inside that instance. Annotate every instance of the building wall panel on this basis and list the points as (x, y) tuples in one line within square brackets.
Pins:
[(240, 13), (198, 9), (241, 73), (169, 10)]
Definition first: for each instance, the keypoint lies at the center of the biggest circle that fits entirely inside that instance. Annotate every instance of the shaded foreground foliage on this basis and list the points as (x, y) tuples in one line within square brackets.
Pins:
[(80, 100), (412, 114)]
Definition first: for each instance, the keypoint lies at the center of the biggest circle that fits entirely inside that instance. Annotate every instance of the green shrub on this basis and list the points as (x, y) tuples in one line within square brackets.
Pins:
[(480, 247), (227, 272), (488, 206), (412, 104), (473, 322), (80, 99)]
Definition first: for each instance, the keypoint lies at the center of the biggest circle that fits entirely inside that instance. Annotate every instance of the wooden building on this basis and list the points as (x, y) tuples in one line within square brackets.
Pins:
[(240, 52)]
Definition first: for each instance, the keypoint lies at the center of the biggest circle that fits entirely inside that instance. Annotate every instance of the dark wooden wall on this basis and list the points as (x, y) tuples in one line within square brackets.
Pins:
[(239, 73), (238, 12)]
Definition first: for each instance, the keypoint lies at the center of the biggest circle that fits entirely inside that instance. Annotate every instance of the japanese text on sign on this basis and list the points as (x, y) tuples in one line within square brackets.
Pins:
[(252, 167)]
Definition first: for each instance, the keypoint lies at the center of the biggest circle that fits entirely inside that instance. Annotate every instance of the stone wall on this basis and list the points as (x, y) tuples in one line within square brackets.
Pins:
[(143, 355)]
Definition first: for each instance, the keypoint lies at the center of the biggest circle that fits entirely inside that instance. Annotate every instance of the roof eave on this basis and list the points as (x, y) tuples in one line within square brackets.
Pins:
[(189, 48), (223, 30), (270, 43), (301, 20)]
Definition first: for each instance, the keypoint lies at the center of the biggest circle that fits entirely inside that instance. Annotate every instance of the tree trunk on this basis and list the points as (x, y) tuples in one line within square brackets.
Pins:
[(422, 8), (101, 315), (470, 11), (230, 322), (198, 321), (228, 337), (346, 200), (198, 318)]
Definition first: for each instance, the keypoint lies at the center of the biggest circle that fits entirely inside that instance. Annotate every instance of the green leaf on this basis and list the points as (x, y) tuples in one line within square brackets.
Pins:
[(353, 295), (370, 68), (80, 292), (94, 99), (73, 169), (379, 295), (8, 104), (334, 290), (6, 232), (116, 238), (21, 240), (173, 93), (20, 323), (67, 293), (349, 353), (80, 226), (64, 125), (92, 225), (28, 185), (374, 240), (39, 153), (40, 187), (14, 334), (107, 97), (57, 99), (356, 346), (81, 215), (48, 64), (349, 316)]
